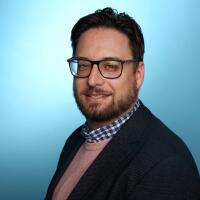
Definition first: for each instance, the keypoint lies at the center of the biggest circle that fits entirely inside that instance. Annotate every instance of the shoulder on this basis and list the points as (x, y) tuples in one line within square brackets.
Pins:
[(160, 139), (164, 164)]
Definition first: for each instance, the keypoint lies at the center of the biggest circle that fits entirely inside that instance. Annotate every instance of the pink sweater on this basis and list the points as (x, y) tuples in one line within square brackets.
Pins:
[(78, 166)]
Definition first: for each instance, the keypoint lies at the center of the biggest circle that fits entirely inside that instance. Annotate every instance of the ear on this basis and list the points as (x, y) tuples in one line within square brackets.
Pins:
[(139, 74)]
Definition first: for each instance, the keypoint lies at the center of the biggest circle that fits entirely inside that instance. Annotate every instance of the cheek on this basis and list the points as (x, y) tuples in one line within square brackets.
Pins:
[(79, 85), (124, 87)]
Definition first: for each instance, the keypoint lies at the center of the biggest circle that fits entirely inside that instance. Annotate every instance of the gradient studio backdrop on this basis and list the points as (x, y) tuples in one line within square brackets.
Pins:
[(37, 109)]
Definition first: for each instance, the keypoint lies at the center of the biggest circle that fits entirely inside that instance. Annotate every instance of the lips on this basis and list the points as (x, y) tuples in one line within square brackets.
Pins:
[(96, 97)]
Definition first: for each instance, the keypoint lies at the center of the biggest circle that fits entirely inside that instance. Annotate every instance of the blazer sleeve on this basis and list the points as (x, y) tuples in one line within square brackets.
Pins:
[(169, 179)]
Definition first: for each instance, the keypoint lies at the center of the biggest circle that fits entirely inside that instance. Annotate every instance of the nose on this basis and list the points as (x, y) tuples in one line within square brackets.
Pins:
[(95, 77)]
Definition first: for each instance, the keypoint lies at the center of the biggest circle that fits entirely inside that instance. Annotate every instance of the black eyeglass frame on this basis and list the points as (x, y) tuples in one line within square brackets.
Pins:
[(93, 62)]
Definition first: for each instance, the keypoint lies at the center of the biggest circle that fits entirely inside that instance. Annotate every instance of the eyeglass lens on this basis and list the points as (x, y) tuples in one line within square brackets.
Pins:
[(107, 68)]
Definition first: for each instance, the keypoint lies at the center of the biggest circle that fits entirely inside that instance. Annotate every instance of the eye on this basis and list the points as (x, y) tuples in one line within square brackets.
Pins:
[(111, 66), (83, 65)]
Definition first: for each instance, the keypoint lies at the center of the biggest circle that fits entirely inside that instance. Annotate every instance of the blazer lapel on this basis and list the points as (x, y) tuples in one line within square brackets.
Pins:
[(115, 156)]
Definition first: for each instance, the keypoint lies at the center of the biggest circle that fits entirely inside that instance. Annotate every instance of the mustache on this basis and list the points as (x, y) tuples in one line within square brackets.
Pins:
[(97, 91)]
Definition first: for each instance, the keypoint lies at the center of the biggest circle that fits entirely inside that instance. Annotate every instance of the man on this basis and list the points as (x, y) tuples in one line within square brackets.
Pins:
[(123, 151)]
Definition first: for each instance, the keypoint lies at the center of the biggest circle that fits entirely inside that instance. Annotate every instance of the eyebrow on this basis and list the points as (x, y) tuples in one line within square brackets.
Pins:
[(104, 58)]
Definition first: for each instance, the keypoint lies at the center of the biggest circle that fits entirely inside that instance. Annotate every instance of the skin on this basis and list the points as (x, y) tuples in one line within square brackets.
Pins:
[(103, 100)]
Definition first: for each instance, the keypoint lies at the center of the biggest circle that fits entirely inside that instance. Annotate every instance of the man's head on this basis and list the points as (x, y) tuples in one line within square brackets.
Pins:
[(109, 18), (103, 93)]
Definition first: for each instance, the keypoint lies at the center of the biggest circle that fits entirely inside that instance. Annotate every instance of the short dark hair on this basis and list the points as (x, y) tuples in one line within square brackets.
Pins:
[(110, 18)]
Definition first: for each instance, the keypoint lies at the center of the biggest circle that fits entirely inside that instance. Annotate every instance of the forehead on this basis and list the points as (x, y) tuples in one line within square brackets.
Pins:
[(98, 43)]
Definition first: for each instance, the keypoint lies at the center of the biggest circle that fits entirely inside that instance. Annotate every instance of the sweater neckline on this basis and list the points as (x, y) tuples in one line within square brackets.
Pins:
[(96, 146)]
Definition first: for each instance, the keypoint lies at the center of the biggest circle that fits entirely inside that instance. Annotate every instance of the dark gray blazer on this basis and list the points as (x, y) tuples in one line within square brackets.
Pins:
[(144, 161)]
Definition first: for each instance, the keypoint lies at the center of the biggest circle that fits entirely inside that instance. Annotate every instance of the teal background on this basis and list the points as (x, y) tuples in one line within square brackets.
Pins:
[(37, 109)]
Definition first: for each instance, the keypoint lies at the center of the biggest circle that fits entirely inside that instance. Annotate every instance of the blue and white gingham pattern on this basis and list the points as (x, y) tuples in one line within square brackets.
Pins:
[(108, 130)]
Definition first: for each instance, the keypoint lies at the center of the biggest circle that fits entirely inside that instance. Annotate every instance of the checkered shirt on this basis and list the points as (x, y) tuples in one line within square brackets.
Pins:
[(109, 130)]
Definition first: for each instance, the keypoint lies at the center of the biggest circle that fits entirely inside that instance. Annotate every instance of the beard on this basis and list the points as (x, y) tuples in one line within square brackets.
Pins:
[(97, 112)]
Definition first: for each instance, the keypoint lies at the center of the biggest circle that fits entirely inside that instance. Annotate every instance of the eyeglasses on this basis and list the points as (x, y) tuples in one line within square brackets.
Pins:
[(108, 68)]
